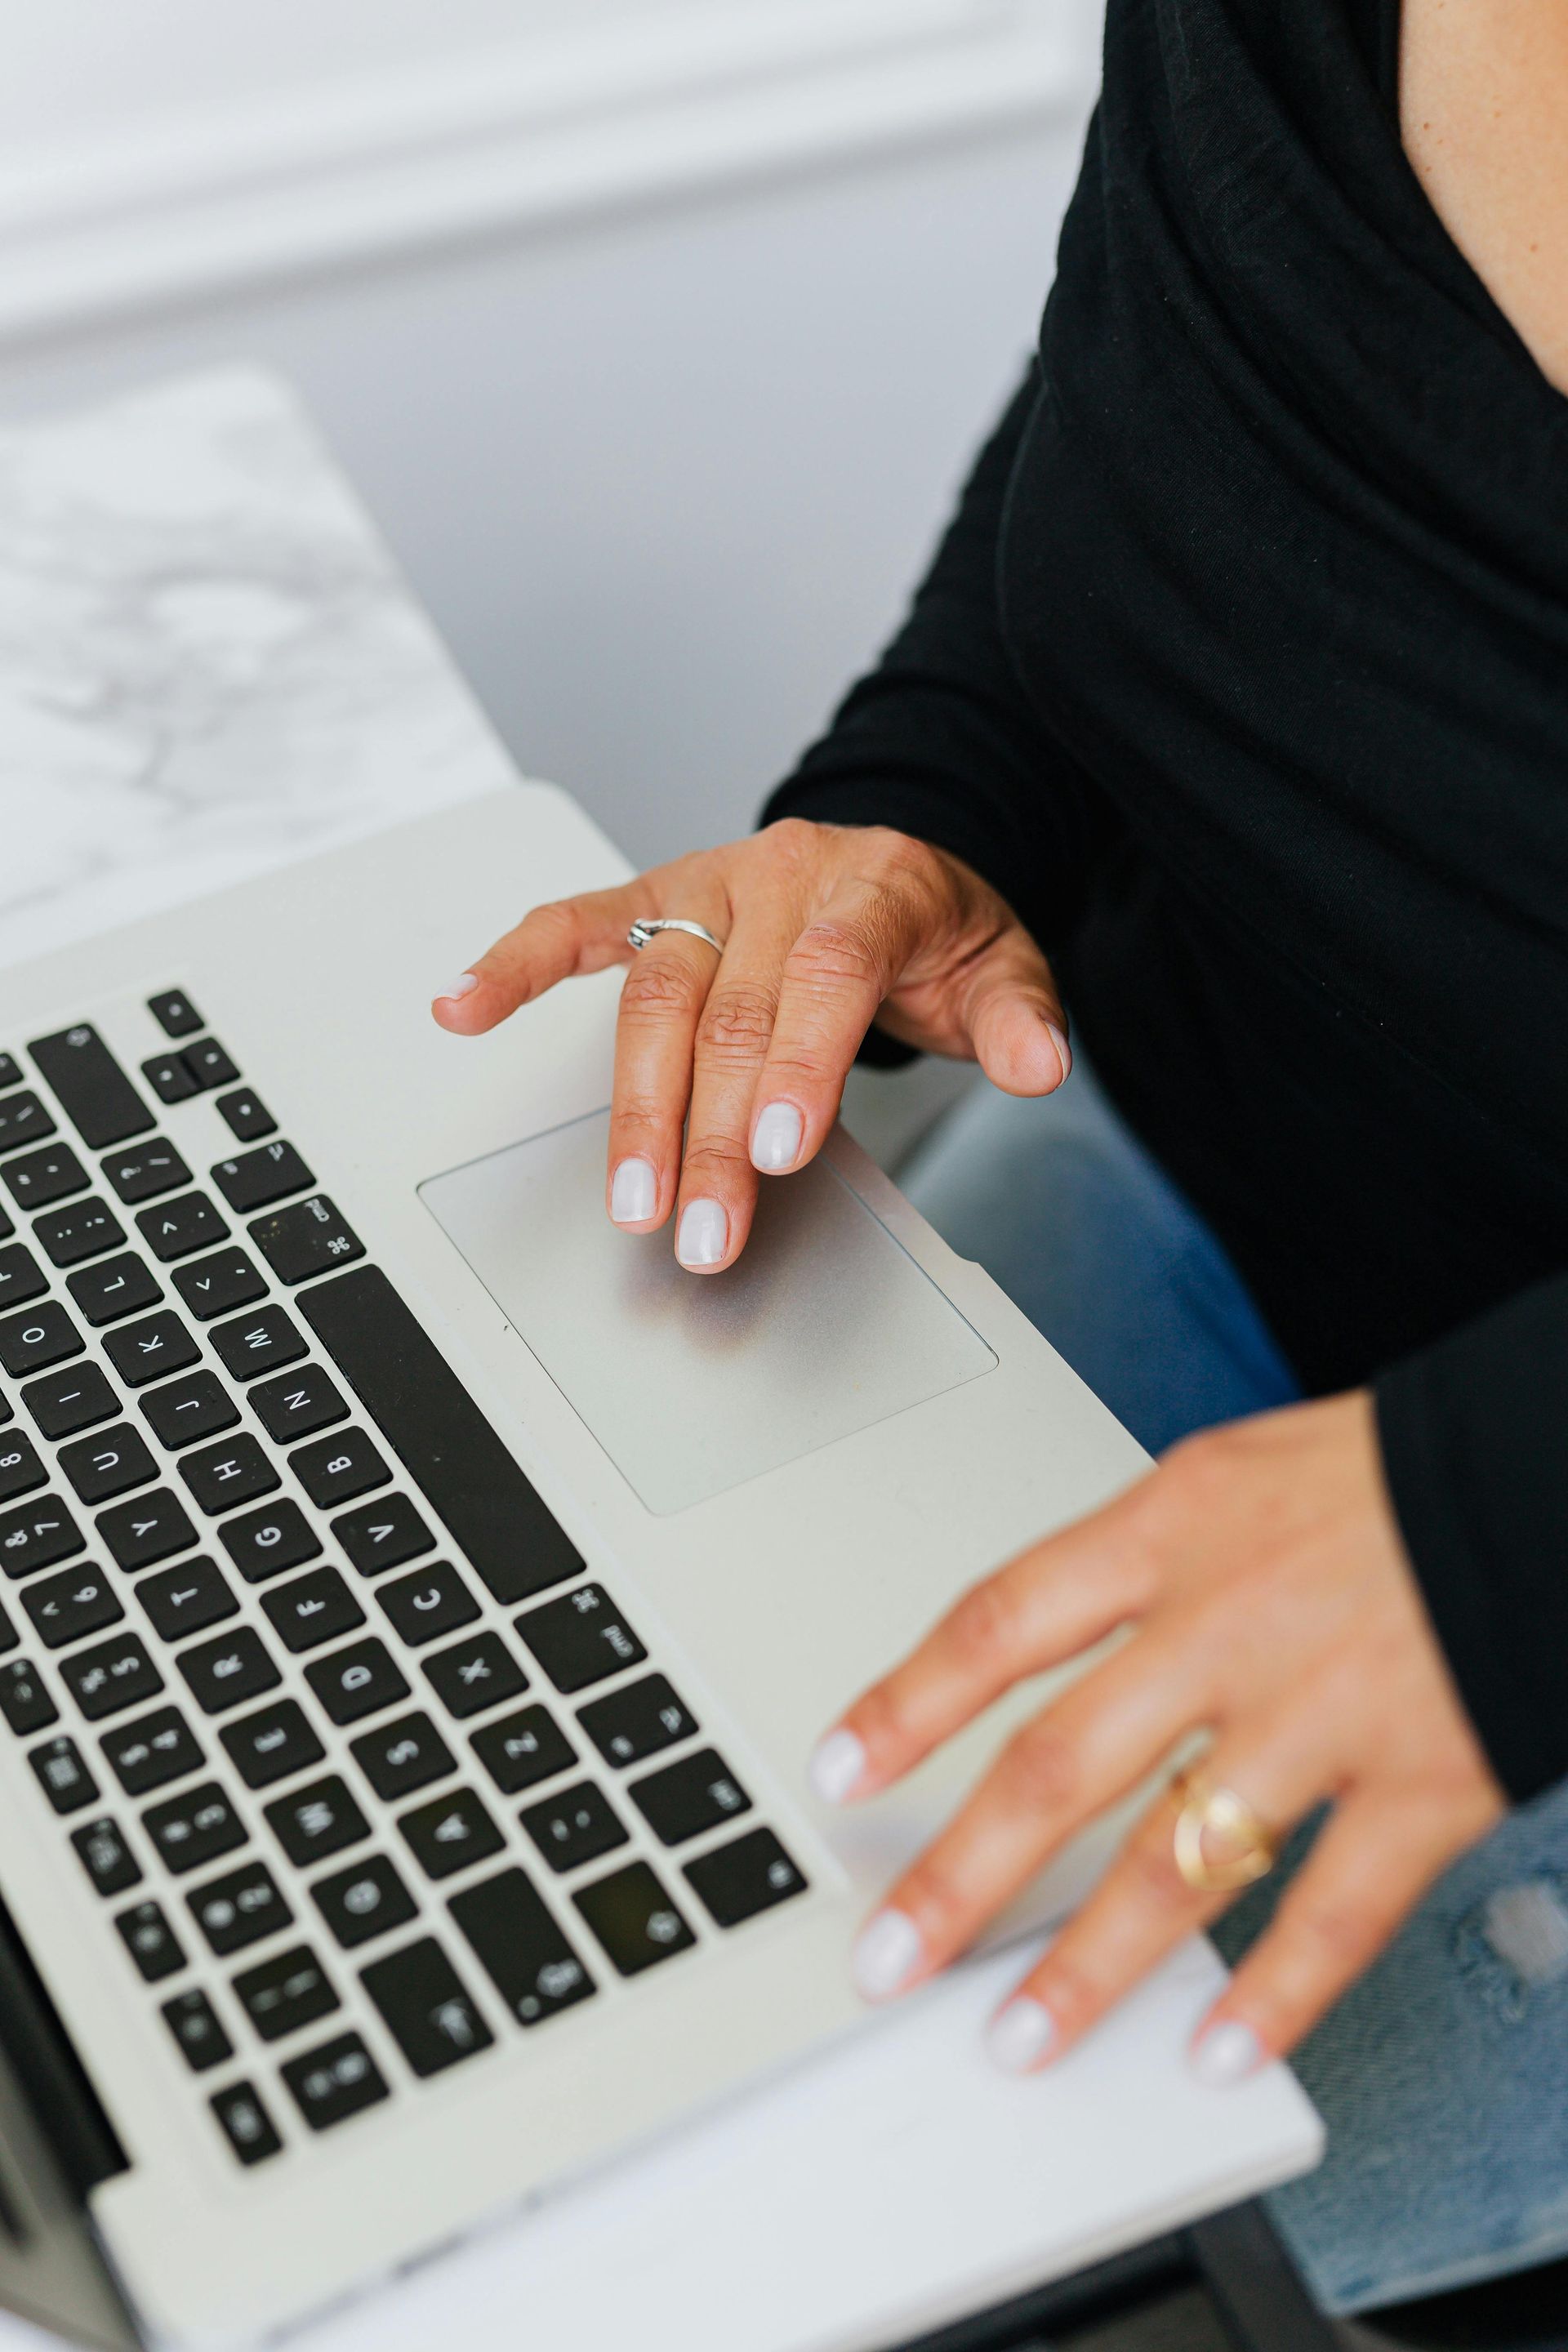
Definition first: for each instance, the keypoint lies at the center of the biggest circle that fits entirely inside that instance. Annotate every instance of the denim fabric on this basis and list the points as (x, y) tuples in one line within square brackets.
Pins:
[(1443, 2075)]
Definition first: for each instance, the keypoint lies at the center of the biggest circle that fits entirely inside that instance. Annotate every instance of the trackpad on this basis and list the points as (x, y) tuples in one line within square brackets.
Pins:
[(693, 1383)]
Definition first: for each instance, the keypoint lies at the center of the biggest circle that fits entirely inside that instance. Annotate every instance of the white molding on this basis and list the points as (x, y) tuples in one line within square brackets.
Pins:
[(518, 136)]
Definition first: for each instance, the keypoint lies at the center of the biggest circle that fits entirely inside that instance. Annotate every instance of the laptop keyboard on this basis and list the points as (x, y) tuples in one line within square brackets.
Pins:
[(289, 1634)]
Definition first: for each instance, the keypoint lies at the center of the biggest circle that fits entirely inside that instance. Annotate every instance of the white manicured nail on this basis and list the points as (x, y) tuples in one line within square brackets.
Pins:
[(464, 985), (634, 1192), (704, 1230), (1019, 2035), (885, 1954), (776, 1138), (835, 1767), (1064, 1051), (1226, 2053)]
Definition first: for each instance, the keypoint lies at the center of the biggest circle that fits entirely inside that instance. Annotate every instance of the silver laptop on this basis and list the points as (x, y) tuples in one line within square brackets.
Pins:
[(420, 1599)]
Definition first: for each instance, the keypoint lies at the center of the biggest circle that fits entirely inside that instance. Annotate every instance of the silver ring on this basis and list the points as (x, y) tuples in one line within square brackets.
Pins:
[(643, 930)]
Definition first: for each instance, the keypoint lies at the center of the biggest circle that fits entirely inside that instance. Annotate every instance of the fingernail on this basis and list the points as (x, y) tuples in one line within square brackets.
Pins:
[(835, 1767), (702, 1233), (1064, 1051), (776, 1138), (1226, 2053), (464, 985), (1019, 2035), (885, 1954), (633, 1191)]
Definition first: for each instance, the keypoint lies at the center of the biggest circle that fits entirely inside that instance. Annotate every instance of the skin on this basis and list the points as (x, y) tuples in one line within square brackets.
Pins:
[(1258, 1570)]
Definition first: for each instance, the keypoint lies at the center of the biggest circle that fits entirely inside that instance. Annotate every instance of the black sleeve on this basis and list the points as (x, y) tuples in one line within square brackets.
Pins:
[(941, 740), (1475, 1447)]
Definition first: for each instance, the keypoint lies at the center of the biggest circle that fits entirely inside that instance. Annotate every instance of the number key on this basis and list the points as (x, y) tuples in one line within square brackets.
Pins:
[(117, 1673), (21, 1467), (193, 2023), (105, 1856), (194, 1828), (24, 1702), (151, 1941), (35, 1534), (63, 1777), (155, 1749), (65, 1606)]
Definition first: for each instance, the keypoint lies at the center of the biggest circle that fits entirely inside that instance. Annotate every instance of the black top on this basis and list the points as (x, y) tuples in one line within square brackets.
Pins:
[(1243, 674)]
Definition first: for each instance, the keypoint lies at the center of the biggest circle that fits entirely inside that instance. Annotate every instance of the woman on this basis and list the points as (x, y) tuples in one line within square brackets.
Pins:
[(1233, 713)]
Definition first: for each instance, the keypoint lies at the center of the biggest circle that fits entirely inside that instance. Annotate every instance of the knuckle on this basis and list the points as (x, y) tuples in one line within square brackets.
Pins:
[(794, 841), (1041, 1768), (1338, 1935), (657, 989), (983, 1631), (711, 1159), (831, 955), (736, 1024)]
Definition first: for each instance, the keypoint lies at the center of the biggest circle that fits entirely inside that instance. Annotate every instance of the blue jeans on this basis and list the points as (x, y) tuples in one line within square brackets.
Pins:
[(1443, 2073)]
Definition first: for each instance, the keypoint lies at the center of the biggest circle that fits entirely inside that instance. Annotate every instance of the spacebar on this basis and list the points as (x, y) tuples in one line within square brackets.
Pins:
[(439, 1434)]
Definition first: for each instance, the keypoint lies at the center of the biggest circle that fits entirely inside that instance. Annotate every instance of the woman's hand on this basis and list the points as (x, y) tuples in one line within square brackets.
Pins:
[(1260, 1570), (826, 928)]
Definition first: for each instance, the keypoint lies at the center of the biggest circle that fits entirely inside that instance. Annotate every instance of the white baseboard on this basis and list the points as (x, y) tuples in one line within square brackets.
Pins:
[(678, 99)]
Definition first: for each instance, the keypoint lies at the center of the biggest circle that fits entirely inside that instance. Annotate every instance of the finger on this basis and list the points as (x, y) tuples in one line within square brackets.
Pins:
[(1143, 1907), (661, 1003), (1047, 1604), (1013, 1016), (1054, 1775), (718, 1179)]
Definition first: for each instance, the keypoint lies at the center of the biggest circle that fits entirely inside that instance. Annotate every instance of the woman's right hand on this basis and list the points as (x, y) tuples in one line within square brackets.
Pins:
[(826, 929)]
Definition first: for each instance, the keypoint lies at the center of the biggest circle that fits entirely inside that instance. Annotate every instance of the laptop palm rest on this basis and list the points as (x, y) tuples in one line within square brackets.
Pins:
[(693, 1384)]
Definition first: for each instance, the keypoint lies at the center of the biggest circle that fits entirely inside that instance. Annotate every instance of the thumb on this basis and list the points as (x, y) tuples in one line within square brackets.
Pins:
[(1017, 1027)]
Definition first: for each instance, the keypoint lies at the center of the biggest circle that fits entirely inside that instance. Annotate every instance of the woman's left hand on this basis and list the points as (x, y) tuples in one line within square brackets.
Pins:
[(1270, 1602)]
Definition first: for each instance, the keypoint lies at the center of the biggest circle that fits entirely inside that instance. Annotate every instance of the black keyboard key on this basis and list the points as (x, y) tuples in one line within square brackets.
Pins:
[(247, 2126), (6, 1226), (24, 1701), (450, 1832), (296, 1404), (151, 1941), (35, 1534), (107, 1293), (288, 1991), (312, 1608), (684, 1800), (39, 1179), (169, 1078), (470, 1480), (151, 1752), (110, 1464), (64, 1403), (521, 1947), (85, 1230), (383, 1535), (425, 2007), (399, 1757), (116, 1674), (174, 1228), (21, 1275), (234, 1471), (36, 1338), (10, 1071), (256, 1179), (634, 1919), (219, 1284), (209, 1064), (522, 1749), (311, 1238), (368, 1899), (266, 1542), (357, 1681), (9, 1637), (224, 1673), (105, 1856), (575, 1827), (68, 1607), (193, 1829), (150, 1350), (193, 2023), (247, 1115), (175, 1015), (581, 1638), (316, 1820), (149, 1529), (146, 1171), (257, 1343), (273, 1743), (335, 2082), (186, 1599), (100, 1099), (239, 1908), (23, 1121), (21, 1467), (198, 1406), (62, 1775), (474, 1675), (431, 1602), (335, 1469)]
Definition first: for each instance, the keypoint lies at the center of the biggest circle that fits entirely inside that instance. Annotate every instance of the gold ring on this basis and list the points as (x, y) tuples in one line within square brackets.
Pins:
[(1252, 1847)]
